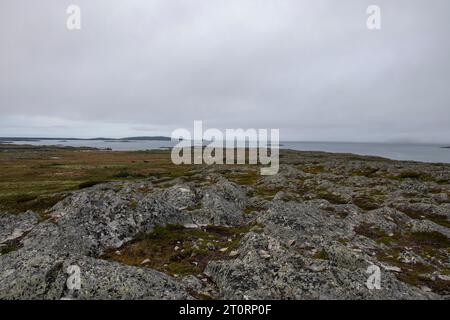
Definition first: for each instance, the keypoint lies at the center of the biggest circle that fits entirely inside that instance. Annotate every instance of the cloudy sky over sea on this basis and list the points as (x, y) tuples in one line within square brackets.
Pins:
[(145, 67)]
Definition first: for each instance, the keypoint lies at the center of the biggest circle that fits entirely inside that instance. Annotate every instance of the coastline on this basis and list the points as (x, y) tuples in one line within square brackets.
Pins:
[(429, 153), (324, 215)]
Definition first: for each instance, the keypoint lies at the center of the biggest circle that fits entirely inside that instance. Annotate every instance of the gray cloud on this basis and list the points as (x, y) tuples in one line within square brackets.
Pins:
[(311, 68)]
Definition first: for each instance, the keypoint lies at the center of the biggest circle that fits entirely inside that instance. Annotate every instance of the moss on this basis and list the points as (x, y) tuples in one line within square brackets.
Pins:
[(438, 286), (257, 228), (315, 169), (431, 246), (419, 215), (373, 233), (23, 198), (333, 198), (243, 178), (89, 184), (267, 193), (162, 180), (322, 255), (250, 209), (434, 239), (365, 172), (12, 245), (133, 204), (204, 296), (194, 248), (410, 174), (126, 174), (416, 274), (199, 295), (365, 202), (145, 189), (9, 248), (194, 207)]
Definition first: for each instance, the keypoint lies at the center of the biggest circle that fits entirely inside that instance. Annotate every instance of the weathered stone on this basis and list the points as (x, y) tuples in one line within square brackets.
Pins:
[(310, 234)]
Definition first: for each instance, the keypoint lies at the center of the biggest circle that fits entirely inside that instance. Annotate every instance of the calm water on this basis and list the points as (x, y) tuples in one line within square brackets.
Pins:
[(415, 152)]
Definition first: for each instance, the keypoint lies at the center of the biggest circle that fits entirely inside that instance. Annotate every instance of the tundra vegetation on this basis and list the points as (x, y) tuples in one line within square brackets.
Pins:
[(221, 231)]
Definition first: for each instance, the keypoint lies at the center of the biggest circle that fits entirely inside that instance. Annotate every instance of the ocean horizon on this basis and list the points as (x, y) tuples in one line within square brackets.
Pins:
[(422, 152)]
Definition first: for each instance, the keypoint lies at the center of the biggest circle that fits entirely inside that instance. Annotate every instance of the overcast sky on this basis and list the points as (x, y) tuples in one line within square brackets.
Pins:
[(145, 67)]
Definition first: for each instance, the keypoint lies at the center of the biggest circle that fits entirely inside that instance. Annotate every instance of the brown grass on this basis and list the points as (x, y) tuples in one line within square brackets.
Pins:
[(30, 174)]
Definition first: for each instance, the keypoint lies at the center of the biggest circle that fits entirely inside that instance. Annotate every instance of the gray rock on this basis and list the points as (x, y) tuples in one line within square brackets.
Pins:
[(31, 274), (14, 226), (305, 241)]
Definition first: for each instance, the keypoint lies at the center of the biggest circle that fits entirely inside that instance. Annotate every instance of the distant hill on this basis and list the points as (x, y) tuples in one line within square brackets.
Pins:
[(156, 138), (143, 138)]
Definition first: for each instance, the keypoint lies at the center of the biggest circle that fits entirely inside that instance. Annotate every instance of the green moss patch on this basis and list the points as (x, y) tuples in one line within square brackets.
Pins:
[(322, 255), (419, 215), (331, 197), (267, 193), (373, 233), (411, 174), (366, 202), (243, 178), (313, 169), (176, 250), (365, 172), (194, 207)]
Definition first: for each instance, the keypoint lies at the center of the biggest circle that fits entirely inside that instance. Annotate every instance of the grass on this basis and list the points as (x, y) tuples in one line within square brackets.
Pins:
[(243, 178), (38, 203), (31, 178), (176, 250), (89, 184), (126, 174)]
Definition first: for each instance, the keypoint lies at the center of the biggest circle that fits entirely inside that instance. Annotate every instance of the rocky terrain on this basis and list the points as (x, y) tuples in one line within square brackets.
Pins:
[(225, 232)]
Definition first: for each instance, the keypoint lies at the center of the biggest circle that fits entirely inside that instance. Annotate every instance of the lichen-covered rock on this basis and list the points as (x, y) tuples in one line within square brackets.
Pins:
[(43, 274), (310, 232), (30, 274), (13, 226), (289, 275)]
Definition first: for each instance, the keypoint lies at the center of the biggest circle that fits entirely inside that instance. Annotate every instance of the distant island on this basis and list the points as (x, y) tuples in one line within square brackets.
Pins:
[(141, 138)]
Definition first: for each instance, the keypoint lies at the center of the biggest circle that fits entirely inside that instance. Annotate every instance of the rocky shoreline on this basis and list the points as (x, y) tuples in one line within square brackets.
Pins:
[(221, 232)]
